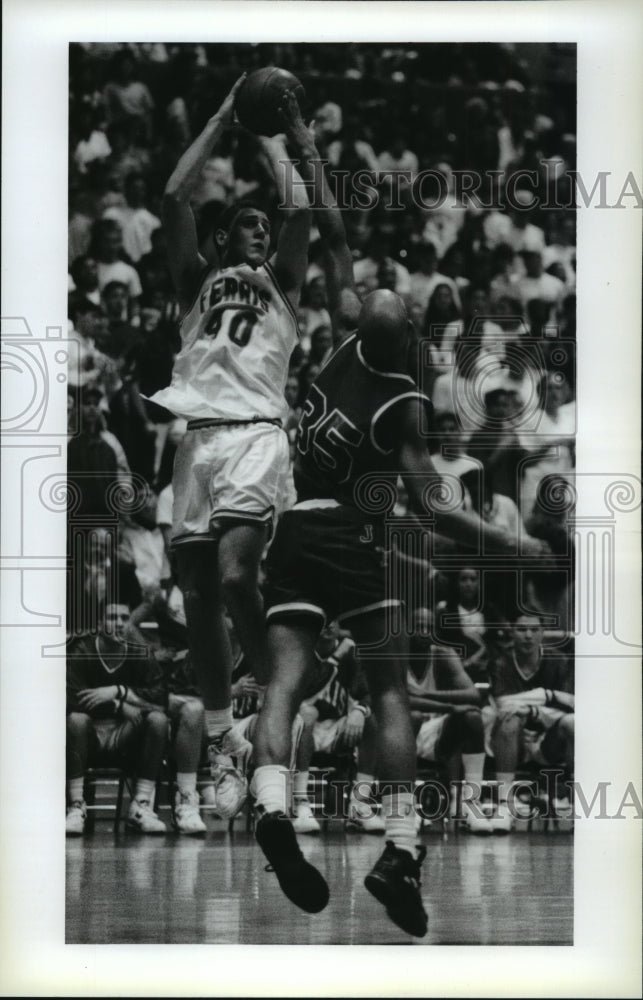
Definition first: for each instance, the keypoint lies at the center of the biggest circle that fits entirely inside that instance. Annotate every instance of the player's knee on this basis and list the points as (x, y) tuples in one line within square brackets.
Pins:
[(78, 723), (471, 720), (238, 581), (156, 723), (509, 724), (192, 713), (309, 715)]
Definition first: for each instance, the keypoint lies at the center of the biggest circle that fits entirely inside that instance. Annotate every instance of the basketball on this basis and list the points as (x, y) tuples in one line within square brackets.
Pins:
[(258, 101)]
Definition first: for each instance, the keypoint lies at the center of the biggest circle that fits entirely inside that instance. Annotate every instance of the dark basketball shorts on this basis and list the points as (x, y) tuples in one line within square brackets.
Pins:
[(328, 561)]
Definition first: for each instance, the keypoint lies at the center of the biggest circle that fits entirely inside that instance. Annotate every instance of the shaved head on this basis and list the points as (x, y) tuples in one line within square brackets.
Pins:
[(383, 328)]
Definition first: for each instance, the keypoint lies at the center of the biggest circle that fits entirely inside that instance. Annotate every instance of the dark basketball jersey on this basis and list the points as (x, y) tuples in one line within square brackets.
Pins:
[(349, 426)]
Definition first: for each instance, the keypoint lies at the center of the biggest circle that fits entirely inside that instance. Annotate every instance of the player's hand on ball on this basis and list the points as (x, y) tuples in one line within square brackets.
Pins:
[(226, 111), (296, 130)]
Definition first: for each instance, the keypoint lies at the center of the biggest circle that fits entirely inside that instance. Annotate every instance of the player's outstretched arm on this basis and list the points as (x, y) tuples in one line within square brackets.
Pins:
[(291, 260), (343, 302), (423, 481), (186, 263)]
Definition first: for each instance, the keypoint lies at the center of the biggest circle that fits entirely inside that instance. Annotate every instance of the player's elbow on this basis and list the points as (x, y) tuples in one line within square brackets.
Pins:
[(173, 196)]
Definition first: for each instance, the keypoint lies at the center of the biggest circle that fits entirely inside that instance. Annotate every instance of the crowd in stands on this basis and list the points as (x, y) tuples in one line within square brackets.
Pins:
[(491, 295)]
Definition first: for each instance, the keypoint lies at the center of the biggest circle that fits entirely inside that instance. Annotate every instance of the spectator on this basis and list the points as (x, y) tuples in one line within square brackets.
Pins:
[(449, 455), (537, 284), (96, 462), (92, 145), (552, 520), (497, 445), (153, 268), (127, 98), (127, 157), (425, 277), (88, 364), (313, 312), (397, 157), (339, 720), (440, 324), (534, 705), (446, 221), (115, 712), (461, 621), (513, 227), (136, 221), (321, 345), (167, 643), (107, 244), (366, 268), (84, 273), (141, 544), (551, 443), (445, 710)]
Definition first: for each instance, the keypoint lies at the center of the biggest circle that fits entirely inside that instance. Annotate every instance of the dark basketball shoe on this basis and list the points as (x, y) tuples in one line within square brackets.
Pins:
[(300, 881), (395, 882)]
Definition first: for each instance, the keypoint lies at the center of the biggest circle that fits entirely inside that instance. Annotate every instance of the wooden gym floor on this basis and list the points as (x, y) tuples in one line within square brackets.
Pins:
[(129, 888)]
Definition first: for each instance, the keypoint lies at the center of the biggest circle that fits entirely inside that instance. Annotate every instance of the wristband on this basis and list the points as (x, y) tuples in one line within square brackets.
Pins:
[(364, 709)]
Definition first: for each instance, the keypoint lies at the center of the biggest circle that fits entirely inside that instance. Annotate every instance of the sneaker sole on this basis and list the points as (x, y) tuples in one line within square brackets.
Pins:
[(313, 897), (189, 833), (147, 833), (381, 890)]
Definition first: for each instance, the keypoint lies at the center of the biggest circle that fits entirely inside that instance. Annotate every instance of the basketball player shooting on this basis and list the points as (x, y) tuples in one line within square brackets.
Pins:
[(363, 415), (238, 330)]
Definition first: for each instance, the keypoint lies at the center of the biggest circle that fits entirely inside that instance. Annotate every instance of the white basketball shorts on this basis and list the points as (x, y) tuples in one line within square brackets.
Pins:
[(228, 473)]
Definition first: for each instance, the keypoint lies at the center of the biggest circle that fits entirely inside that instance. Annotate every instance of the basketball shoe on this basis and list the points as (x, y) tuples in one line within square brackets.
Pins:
[(228, 756), (299, 880), (395, 882), (187, 818), (75, 821), (142, 817)]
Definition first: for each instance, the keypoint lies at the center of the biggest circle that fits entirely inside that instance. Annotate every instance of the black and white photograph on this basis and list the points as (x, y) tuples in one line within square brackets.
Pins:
[(321, 501)]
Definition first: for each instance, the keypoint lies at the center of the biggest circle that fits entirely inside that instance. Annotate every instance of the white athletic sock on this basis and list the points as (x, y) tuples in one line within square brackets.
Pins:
[(362, 780), (399, 819), (300, 786), (270, 787), (363, 788), (75, 789), (218, 721), (505, 780), (186, 783), (145, 790), (473, 768)]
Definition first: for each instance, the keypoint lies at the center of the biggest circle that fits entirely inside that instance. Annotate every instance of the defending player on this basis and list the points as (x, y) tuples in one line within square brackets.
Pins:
[(362, 415), (238, 331)]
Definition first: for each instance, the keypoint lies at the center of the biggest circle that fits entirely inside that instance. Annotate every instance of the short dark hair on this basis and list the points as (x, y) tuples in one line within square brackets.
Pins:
[(517, 613), (81, 306), (112, 285), (229, 214)]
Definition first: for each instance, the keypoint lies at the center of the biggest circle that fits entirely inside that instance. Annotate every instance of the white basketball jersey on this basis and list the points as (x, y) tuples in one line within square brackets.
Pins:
[(425, 685), (237, 338)]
